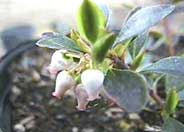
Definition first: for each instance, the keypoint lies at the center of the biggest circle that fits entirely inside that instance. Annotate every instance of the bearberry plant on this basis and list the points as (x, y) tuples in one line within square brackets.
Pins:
[(95, 62)]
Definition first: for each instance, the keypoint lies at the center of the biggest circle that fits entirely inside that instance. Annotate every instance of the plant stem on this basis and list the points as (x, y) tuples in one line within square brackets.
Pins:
[(156, 97), (119, 63)]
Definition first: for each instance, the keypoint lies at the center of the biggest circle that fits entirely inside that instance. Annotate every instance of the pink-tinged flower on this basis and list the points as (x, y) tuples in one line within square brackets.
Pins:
[(59, 62), (64, 81), (93, 82), (82, 97)]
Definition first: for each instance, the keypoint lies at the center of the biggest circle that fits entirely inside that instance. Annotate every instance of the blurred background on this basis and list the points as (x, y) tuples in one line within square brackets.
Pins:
[(43, 12), (38, 16)]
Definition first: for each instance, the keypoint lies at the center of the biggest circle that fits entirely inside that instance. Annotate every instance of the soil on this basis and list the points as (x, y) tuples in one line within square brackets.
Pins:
[(35, 110)]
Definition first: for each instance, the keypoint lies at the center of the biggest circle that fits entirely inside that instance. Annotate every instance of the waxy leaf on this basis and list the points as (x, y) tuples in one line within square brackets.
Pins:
[(90, 19), (181, 95), (58, 41), (133, 11), (172, 125), (174, 82), (142, 20), (128, 89), (138, 44), (171, 65)]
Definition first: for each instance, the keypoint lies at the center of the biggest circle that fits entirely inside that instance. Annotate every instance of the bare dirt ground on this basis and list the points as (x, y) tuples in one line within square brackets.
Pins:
[(35, 110)]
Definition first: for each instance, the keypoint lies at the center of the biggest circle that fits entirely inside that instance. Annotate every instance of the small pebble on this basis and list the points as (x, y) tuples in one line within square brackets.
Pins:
[(88, 130), (15, 93), (27, 120), (60, 117), (30, 125), (75, 129), (36, 75), (114, 113), (134, 116), (19, 128)]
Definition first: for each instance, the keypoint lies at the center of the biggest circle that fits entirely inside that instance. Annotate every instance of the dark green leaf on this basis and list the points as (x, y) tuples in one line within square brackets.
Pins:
[(128, 88), (142, 20), (58, 41), (171, 65), (172, 125), (90, 20), (137, 61), (102, 46)]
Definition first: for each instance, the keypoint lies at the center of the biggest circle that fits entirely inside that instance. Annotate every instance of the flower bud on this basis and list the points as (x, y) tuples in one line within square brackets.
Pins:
[(82, 97), (64, 81), (93, 82), (58, 62)]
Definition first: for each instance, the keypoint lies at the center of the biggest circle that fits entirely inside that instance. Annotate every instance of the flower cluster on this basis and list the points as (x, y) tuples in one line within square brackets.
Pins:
[(88, 89)]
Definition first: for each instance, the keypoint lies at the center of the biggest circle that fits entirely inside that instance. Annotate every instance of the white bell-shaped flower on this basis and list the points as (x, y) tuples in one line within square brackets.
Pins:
[(59, 62), (93, 82), (64, 81), (82, 97)]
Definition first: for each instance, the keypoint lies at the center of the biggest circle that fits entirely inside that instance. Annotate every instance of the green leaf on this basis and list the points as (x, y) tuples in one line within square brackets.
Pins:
[(172, 101), (172, 125), (58, 41), (142, 20), (138, 45), (90, 20), (128, 88), (102, 46), (174, 82), (181, 95), (106, 10), (171, 65), (133, 11), (84, 46), (137, 61), (148, 59)]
